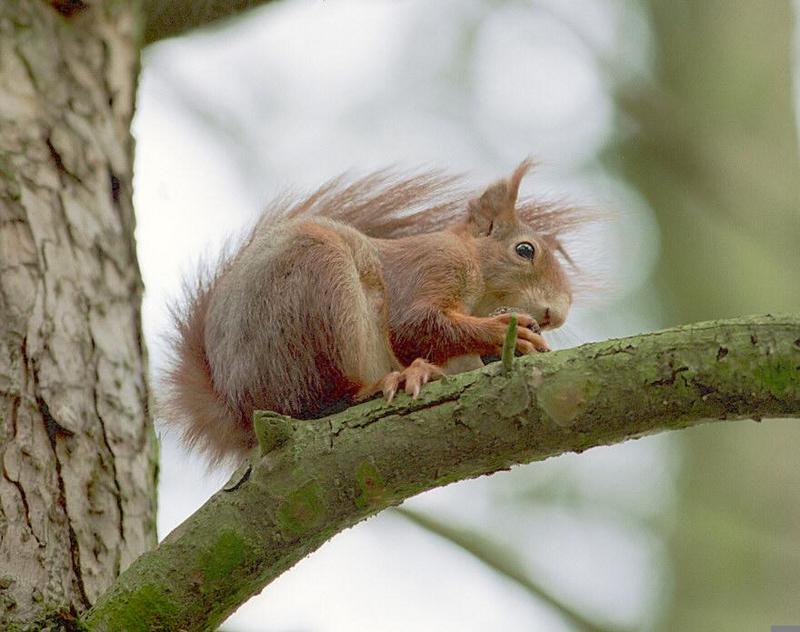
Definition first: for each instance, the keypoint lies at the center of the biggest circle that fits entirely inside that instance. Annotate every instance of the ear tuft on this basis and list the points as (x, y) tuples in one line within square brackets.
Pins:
[(497, 202), (516, 178)]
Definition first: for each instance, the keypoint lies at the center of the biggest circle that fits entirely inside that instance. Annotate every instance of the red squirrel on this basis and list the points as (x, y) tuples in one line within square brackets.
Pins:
[(373, 286)]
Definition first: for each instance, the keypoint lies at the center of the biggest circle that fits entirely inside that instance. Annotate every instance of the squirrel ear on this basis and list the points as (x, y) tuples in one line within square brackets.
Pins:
[(496, 205)]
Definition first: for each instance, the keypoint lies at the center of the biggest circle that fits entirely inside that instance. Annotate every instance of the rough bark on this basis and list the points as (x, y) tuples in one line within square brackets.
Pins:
[(77, 491), (315, 479)]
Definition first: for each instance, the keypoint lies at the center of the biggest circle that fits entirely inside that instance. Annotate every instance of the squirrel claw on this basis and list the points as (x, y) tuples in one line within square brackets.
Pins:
[(390, 384), (412, 378)]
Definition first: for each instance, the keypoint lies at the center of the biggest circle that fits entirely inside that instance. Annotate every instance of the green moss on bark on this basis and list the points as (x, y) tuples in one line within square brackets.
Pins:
[(303, 510), (370, 484), (147, 608), (223, 557)]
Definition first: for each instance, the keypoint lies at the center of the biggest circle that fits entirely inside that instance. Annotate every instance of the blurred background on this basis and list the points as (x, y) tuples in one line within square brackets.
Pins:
[(679, 116)]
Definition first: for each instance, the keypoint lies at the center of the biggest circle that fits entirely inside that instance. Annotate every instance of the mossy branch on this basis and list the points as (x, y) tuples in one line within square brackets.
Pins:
[(327, 475)]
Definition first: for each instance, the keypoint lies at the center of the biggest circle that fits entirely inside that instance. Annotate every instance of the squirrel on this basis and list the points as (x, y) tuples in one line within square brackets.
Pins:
[(358, 289)]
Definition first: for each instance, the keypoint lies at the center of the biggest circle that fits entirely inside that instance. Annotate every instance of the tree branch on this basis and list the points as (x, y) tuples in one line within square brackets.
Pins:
[(325, 476), (168, 18)]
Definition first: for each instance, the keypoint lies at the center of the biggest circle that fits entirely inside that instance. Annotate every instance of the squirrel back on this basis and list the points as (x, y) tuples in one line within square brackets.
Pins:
[(297, 319)]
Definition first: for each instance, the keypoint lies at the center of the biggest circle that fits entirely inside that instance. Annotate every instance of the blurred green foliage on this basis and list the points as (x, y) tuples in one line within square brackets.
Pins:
[(711, 143)]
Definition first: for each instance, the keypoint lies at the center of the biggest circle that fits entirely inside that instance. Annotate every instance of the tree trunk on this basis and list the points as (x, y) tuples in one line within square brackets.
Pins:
[(77, 492)]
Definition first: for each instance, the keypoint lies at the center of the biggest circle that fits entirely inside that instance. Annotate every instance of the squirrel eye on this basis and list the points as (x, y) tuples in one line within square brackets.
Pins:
[(525, 250)]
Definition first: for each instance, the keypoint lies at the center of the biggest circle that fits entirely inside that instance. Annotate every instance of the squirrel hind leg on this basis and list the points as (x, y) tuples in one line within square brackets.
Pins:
[(368, 357), (366, 350)]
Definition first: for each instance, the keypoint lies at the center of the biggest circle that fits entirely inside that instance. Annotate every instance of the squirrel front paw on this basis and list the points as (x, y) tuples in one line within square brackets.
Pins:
[(529, 340)]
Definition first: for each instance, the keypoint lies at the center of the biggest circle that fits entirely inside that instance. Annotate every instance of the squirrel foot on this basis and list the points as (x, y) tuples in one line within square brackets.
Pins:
[(416, 374)]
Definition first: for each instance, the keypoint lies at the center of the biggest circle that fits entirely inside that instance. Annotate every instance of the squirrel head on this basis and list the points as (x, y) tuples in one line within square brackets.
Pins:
[(519, 265)]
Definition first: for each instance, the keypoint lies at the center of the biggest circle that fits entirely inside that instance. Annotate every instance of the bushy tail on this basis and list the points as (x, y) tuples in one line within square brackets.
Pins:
[(188, 400)]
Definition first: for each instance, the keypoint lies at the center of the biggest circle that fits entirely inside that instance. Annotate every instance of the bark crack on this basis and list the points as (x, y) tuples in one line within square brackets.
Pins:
[(104, 74), (26, 64), (414, 407), (59, 161), (53, 429), (15, 404), (670, 380), (107, 443)]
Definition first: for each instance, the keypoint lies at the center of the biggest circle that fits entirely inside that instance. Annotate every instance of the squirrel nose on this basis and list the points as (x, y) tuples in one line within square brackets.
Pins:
[(553, 318), (545, 320)]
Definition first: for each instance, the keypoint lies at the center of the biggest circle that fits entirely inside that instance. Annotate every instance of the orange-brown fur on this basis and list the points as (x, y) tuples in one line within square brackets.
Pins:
[(330, 297)]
